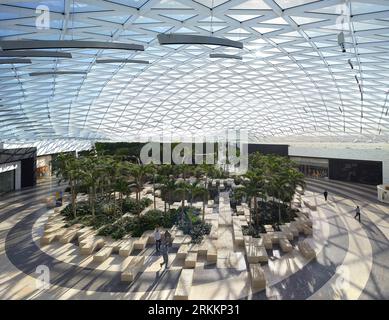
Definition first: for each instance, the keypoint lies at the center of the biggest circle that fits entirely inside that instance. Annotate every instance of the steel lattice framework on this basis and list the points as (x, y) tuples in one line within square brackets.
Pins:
[(293, 83)]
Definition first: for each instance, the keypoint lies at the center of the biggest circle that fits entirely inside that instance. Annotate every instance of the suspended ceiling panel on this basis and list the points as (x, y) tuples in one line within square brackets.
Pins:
[(292, 84)]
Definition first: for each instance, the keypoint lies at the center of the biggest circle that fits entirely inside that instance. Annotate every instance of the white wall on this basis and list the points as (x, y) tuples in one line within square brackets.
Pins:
[(18, 172), (369, 152)]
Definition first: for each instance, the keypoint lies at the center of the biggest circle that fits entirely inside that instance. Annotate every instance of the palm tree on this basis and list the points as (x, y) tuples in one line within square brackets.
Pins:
[(169, 186), (182, 189), (193, 188), (68, 169), (90, 172), (252, 188), (139, 173), (200, 190)]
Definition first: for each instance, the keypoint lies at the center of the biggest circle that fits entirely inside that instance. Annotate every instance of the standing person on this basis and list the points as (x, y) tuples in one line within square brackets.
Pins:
[(157, 236), (325, 195), (358, 213), (165, 254)]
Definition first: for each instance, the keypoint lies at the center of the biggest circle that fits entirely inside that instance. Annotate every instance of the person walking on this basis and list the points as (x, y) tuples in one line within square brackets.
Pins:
[(157, 237), (165, 254), (325, 193), (358, 213), (167, 237)]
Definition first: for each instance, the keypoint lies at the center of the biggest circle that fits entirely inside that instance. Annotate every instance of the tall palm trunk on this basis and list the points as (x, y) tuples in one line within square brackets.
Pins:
[(204, 207), (73, 191), (256, 210), (93, 200), (170, 198), (155, 206)]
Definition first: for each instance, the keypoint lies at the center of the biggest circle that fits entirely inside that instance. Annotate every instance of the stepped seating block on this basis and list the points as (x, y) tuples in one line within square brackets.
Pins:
[(203, 247), (90, 245), (267, 240), (85, 233), (258, 280), (131, 267), (140, 244), (285, 245), (309, 204), (238, 236), (211, 254), (180, 240), (298, 225), (307, 230), (293, 229), (276, 236), (126, 248), (184, 285), (259, 242), (306, 250), (70, 234), (103, 253), (247, 240), (51, 237), (183, 251), (268, 228), (214, 228), (256, 254), (190, 260), (194, 247), (287, 231)]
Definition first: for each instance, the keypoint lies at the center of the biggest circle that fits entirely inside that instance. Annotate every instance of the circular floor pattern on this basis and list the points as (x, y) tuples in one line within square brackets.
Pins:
[(26, 255), (23, 252)]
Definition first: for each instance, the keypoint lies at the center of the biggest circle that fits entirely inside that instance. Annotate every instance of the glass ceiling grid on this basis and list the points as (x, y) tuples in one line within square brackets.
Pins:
[(292, 84)]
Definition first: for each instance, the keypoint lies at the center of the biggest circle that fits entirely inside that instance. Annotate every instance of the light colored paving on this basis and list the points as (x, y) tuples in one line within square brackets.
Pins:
[(353, 274), (230, 275)]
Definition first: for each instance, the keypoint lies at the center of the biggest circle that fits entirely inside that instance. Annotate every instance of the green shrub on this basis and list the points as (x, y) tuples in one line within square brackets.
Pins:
[(132, 206), (199, 230)]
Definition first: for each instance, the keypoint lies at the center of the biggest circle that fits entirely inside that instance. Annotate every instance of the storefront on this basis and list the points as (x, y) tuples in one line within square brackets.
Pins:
[(43, 166), (312, 167), (17, 169)]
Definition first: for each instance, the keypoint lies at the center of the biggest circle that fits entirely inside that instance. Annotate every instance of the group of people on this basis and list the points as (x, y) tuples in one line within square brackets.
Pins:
[(357, 209), (162, 244)]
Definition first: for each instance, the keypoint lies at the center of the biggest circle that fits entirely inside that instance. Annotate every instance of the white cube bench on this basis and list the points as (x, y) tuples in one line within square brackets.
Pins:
[(131, 266), (126, 247), (184, 285), (190, 260), (285, 245), (258, 280), (306, 250), (183, 251), (90, 245), (103, 253), (51, 237)]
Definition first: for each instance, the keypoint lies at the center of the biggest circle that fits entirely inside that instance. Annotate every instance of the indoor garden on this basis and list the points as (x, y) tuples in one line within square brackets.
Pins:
[(118, 196)]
